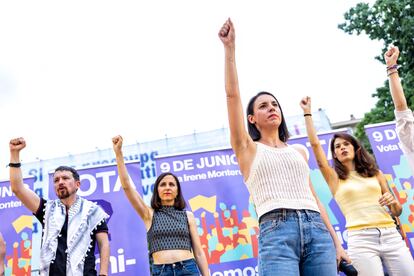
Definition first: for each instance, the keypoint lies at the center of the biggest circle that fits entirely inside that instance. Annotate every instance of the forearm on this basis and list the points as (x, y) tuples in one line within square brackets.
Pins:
[(397, 91), (131, 193), (328, 225), (231, 79), (1, 265), (16, 179), (202, 263), (104, 253), (395, 209), (310, 129), (317, 149), (122, 171)]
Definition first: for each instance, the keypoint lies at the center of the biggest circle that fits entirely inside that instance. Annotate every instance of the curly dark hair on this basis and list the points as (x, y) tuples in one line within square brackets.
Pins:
[(364, 163)]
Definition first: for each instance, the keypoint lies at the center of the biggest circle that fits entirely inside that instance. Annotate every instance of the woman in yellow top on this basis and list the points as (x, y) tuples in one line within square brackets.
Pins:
[(362, 193)]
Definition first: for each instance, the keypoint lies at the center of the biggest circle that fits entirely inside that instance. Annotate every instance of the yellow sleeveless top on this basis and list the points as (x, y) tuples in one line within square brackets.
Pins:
[(358, 197)]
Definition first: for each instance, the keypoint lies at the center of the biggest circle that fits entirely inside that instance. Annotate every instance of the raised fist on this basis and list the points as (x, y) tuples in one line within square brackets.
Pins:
[(391, 56), (305, 104), (117, 143), (17, 144), (227, 34)]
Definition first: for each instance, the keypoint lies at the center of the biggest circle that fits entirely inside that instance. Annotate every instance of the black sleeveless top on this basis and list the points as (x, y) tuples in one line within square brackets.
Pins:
[(169, 230)]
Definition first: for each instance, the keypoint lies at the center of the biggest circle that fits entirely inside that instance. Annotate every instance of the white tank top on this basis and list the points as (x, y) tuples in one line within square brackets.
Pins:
[(279, 178)]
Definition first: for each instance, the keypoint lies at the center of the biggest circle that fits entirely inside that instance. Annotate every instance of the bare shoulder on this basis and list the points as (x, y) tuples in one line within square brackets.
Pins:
[(190, 215), (302, 150)]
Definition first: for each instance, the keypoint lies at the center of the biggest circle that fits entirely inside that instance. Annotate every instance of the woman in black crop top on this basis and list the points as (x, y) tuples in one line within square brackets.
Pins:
[(171, 230)]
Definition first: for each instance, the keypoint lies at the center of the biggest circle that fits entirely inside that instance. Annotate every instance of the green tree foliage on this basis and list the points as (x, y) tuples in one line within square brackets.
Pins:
[(390, 21)]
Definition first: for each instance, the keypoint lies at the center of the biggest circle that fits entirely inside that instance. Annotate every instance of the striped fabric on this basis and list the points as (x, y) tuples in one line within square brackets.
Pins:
[(279, 178)]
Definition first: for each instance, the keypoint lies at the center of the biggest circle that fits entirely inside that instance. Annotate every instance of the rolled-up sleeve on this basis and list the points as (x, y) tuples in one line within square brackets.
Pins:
[(405, 130)]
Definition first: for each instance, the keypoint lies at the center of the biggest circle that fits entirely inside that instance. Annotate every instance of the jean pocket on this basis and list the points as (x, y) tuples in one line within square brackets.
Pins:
[(269, 226), (320, 226), (191, 269), (157, 270)]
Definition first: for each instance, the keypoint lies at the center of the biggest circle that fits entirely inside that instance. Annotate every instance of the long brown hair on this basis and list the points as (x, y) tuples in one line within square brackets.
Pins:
[(364, 163)]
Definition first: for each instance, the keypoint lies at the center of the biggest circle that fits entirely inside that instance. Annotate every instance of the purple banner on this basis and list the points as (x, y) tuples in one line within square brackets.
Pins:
[(16, 226), (214, 191), (127, 234), (392, 162)]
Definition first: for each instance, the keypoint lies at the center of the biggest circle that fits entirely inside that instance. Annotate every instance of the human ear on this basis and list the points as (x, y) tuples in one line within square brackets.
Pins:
[(250, 118)]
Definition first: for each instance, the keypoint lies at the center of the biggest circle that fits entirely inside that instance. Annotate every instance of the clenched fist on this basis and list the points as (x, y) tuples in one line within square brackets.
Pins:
[(117, 143), (227, 34), (17, 144)]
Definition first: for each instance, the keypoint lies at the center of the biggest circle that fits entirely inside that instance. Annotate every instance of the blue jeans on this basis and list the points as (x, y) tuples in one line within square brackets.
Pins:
[(187, 268), (295, 242)]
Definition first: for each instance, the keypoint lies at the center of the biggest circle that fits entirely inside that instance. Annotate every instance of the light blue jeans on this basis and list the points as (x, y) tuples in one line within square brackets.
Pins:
[(295, 242), (183, 268)]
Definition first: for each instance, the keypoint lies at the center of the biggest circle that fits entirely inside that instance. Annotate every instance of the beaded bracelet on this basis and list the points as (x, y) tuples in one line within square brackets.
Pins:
[(395, 66), (393, 72)]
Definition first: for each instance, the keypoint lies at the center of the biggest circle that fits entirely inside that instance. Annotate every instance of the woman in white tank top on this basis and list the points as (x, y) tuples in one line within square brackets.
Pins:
[(296, 237)]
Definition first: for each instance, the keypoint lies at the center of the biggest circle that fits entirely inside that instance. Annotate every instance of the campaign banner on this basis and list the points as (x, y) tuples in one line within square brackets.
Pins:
[(226, 219), (16, 225), (127, 234), (393, 163)]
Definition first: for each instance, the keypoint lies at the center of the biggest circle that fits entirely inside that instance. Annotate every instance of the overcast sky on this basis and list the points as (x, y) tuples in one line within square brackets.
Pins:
[(75, 73)]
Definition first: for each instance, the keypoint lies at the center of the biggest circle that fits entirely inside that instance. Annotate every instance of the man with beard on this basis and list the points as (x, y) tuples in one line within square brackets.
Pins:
[(71, 224)]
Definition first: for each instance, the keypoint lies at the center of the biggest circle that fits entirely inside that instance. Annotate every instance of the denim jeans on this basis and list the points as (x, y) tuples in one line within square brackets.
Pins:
[(370, 248), (295, 242), (187, 268)]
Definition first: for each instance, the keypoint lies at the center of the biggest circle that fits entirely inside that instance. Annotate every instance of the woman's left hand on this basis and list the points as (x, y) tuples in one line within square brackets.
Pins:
[(387, 199)]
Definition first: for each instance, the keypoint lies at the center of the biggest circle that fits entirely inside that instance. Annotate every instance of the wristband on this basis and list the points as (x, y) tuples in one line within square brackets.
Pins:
[(307, 114), (15, 165), (393, 72), (395, 66)]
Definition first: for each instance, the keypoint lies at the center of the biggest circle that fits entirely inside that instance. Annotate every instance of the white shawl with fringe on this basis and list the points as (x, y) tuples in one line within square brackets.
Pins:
[(84, 217)]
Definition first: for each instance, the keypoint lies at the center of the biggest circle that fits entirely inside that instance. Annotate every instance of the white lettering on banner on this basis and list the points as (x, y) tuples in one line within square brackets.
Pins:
[(217, 160), (386, 148), (214, 173), (343, 237), (247, 271), (194, 177), (389, 134), (105, 180), (377, 136), (6, 191), (118, 263), (203, 162), (10, 204), (184, 165), (86, 190), (208, 175)]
